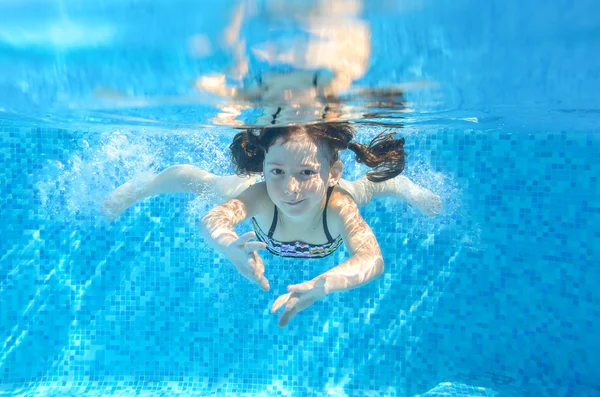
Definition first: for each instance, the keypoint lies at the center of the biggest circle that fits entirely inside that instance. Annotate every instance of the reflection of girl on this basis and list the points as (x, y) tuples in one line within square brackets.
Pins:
[(302, 209), (310, 70)]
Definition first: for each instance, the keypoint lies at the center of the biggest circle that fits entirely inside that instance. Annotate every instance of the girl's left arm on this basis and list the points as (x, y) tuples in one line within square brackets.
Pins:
[(364, 265), (366, 262)]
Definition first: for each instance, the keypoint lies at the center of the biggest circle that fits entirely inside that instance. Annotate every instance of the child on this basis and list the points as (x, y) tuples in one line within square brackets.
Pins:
[(302, 209)]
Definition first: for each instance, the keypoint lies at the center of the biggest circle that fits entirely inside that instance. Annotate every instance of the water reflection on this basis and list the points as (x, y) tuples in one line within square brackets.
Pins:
[(275, 63), (312, 66)]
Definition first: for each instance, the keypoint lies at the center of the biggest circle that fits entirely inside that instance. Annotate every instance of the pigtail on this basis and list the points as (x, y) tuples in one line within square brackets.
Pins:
[(384, 153), (247, 155)]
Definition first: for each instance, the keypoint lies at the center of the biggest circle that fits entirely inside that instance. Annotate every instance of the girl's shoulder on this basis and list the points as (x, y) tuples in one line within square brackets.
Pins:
[(257, 200), (341, 206), (340, 199)]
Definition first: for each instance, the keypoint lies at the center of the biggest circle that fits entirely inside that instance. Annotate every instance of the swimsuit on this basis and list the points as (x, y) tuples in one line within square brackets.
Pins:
[(298, 249)]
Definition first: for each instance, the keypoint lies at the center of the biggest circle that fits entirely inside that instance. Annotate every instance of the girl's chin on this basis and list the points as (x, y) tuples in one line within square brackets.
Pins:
[(297, 209)]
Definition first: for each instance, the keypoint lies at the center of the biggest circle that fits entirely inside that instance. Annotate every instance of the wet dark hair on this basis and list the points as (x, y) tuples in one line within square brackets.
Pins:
[(384, 153)]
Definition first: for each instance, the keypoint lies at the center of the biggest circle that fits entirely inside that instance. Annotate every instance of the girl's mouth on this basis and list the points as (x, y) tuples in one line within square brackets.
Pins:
[(292, 203)]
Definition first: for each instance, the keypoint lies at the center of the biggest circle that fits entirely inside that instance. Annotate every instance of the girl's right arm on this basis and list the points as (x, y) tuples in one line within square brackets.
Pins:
[(217, 229)]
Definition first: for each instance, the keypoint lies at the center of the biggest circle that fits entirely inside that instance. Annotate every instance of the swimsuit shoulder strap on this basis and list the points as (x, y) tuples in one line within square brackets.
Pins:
[(325, 228), (274, 223)]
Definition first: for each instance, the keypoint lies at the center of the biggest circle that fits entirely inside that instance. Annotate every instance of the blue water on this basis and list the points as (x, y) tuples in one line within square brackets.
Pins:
[(497, 296)]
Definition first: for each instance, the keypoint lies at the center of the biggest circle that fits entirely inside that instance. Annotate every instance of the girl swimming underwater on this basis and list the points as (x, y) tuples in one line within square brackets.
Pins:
[(302, 208)]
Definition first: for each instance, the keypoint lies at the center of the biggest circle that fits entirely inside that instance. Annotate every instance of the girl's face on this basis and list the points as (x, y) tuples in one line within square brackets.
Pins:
[(298, 173)]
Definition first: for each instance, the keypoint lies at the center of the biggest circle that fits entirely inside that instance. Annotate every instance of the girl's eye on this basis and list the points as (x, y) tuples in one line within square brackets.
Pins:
[(276, 171), (308, 172)]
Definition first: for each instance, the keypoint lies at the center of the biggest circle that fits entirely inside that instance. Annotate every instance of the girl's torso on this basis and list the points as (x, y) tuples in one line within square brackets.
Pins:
[(311, 239)]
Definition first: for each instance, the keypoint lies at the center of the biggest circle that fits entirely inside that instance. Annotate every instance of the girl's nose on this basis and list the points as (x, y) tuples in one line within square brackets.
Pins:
[(292, 185)]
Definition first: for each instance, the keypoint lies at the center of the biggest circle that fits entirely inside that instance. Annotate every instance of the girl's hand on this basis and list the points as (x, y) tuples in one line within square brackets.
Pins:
[(429, 203), (300, 297), (242, 253)]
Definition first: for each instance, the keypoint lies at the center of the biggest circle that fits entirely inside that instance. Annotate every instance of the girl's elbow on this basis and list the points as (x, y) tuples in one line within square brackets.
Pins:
[(206, 222), (211, 217)]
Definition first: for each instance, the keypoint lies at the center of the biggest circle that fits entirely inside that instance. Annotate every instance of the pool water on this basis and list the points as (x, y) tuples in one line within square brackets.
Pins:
[(496, 296)]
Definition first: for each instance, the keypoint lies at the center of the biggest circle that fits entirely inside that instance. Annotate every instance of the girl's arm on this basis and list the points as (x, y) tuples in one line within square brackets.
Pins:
[(366, 262), (363, 191), (217, 224), (217, 229)]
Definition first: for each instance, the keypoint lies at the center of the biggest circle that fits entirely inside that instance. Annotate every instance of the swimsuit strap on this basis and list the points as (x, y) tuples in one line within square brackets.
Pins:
[(325, 228), (274, 223)]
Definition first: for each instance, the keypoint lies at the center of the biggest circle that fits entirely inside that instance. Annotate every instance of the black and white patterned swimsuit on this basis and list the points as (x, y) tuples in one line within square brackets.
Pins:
[(298, 249)]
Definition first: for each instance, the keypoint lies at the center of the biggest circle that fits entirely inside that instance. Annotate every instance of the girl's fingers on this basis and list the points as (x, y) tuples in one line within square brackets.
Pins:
[(259, 279), (286, 317), (256, 263), (250, 246), (279, 302), (304, 302), (254, 246), (258, 271), (294, 307), (299, 298), (291, 303), (264, 283), (244, 238)]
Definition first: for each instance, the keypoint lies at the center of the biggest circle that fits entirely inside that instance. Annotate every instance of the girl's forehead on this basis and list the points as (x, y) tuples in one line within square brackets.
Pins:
[(297, 148)]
